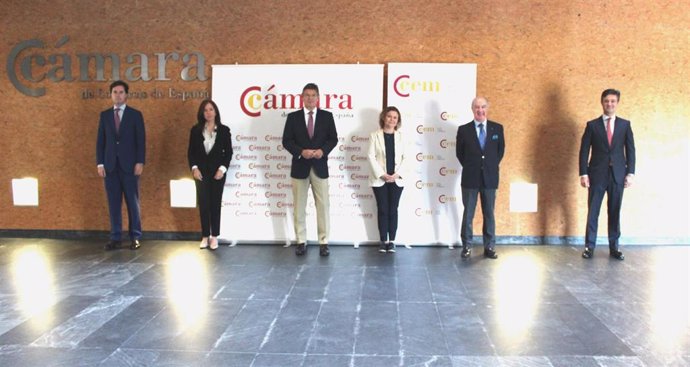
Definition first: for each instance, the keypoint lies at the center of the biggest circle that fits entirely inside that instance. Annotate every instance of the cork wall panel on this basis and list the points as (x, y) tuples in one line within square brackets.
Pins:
[(542, 66)]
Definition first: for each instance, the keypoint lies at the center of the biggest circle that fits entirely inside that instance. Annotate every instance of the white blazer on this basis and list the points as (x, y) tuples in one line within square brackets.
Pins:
[(377, 158)]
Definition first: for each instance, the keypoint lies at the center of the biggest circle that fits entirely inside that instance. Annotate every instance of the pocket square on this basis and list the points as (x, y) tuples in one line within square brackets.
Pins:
[(494, 137)]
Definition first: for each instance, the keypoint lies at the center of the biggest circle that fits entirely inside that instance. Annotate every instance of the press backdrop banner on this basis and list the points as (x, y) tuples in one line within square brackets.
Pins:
[(254, 101), (434, 99)]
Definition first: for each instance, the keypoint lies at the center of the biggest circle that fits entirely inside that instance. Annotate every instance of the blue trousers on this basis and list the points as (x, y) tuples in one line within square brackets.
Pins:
[(387, 200), (119, 183), (614, 201)]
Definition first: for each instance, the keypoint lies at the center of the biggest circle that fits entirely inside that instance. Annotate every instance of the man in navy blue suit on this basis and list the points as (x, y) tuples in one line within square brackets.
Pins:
[(310, 135), (480, 147), (120, 154), (610, 170)]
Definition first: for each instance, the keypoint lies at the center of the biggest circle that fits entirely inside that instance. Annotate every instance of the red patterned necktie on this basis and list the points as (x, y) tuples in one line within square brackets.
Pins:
[(609, 135), (117, 120), (310, 124)]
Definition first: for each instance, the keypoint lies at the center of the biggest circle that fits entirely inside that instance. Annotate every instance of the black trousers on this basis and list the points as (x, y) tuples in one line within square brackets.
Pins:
[(387, 200), (614, 195), (209, 196), (469, 201)]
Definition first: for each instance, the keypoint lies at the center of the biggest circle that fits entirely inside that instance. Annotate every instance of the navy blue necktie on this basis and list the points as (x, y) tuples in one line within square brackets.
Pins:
[(482, 136)]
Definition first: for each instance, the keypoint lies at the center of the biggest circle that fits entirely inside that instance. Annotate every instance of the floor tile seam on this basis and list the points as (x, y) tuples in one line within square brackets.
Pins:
[(143, 325), (137, 256), (598, 358), (220, 337), (86, 264), (348, 354), (29, 346), (61, 296), (141, 296), (638, 319), (167, 350), (248, 298), (460, 277), (221, 289), (401, 349), (576, 355), (438, 314), (283, 303), (395, 302), (20, 348), (45, 311), (358, 321), (73, 320), (483, 324), (620, 338), (315, 323)]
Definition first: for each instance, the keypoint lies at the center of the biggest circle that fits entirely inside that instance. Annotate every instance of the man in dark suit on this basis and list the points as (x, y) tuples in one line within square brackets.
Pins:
[(480, 147), (611, 168), (120, 153), (309, 135)]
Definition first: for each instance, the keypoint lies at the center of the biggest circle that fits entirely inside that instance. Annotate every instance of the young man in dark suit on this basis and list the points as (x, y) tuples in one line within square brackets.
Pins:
[(120, 155), (610, 170), (480, 148), (309, 135)]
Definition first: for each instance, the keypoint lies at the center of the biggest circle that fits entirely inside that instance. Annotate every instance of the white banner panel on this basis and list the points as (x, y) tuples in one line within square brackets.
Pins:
[(433, 99), (254, 101)]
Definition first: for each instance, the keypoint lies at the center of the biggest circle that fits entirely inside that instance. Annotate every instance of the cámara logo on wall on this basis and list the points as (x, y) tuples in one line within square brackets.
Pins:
[(254, 100), (33, 63)]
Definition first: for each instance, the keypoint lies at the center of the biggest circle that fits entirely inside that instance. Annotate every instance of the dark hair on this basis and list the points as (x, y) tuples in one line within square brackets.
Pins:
[(382, 116), (119, 83), (200, 114), (609, 92), (311, 86)]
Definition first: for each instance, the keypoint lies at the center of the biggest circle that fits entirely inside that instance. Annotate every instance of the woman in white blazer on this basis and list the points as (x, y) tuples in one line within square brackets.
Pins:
[(386, 160)]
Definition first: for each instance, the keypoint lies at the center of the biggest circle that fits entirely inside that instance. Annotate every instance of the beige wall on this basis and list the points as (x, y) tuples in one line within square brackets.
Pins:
[(542, 64)]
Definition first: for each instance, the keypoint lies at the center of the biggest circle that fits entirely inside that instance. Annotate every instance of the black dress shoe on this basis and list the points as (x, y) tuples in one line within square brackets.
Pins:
[(490, 254), (617, 255), (113, 245), (383, 247), (390, 247), (587, 253), (134, 245), (323, 250), (466, 252), (301, 249)]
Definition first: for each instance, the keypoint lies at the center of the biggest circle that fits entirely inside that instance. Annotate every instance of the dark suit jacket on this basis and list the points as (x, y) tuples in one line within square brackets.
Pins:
[(128, 147), (220, 154), (621, 154), (475, 163), (296, 138)]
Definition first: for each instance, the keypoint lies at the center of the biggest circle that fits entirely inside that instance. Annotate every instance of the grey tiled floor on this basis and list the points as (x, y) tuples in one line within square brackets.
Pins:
[(69, 303)]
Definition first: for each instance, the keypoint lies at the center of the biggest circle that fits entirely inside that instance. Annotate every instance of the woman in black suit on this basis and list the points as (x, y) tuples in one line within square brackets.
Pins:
[(209, 155)]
